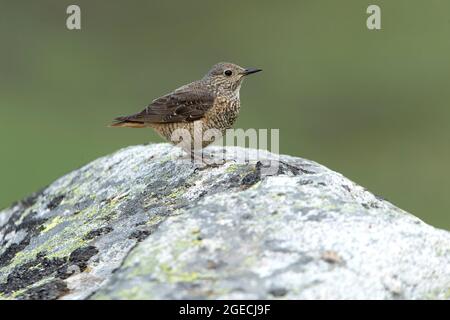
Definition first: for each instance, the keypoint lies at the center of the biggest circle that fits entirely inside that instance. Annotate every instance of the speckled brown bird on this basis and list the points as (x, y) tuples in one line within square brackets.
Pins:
[(209, 103)]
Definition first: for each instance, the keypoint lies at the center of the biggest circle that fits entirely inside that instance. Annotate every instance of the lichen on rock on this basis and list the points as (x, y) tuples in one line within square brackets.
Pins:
[(145, 223)]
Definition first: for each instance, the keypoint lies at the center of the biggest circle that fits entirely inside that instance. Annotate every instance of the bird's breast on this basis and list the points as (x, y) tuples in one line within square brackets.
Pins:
[(223, 114)]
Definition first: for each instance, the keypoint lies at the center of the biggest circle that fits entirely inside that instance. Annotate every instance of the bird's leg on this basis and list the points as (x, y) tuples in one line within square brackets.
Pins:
[(197, 158)]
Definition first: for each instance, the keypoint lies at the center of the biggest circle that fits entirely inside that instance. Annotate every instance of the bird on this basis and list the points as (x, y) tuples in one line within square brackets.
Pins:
[(211, 103)]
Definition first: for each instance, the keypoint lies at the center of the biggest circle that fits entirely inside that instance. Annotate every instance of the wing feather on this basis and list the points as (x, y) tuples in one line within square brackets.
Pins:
[(183, 105)]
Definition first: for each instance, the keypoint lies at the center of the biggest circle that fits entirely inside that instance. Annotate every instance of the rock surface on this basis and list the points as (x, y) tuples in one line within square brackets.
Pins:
[(145, 223)]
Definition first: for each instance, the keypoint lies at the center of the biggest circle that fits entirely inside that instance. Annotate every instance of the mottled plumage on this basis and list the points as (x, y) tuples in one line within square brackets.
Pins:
[(209, 103)]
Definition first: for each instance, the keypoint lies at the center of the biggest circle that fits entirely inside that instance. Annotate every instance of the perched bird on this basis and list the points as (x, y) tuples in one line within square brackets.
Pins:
[(209, 103)]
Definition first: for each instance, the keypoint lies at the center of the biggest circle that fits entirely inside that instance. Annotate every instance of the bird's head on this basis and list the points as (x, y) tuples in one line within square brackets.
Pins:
[(227, 77)]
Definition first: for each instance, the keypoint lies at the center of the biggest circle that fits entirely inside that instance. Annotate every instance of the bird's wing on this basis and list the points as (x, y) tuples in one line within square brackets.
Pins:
[(183, 105)]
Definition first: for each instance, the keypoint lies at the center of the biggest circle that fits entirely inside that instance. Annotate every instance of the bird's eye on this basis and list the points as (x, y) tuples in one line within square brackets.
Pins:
[(228, 73)]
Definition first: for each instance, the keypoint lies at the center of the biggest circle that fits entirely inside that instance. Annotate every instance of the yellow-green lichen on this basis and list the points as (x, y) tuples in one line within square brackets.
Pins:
[(231, 168), (163, 271), (41, 282), (154, 220), (133, 293), (173, 275), (66, 240), (53, 223), (17, 293), (176, 193), (26, 213)]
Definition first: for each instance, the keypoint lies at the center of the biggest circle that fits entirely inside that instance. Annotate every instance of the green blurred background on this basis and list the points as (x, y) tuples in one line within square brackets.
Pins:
[(373, 105)]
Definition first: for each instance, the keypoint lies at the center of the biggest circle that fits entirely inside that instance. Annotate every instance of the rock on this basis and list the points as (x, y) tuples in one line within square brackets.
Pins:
[(146, 223)]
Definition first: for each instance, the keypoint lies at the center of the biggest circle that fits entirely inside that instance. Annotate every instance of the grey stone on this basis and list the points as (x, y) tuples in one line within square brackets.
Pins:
[(145, 223)]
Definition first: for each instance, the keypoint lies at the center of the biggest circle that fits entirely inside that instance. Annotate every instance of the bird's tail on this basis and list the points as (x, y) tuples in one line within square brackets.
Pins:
[(126, 122)]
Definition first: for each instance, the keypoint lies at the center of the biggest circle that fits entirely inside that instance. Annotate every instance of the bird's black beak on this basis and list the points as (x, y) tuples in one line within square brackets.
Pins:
[(248, 71)]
